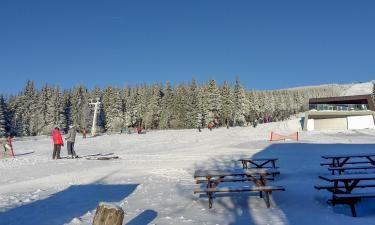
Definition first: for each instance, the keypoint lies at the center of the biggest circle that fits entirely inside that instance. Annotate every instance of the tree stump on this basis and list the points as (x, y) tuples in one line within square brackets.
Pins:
[(108, 214)]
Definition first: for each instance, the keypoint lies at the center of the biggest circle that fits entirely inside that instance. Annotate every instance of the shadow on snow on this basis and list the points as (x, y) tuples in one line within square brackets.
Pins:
[(63, 206)]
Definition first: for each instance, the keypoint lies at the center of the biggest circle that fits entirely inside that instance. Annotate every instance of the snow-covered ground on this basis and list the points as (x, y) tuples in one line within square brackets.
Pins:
[(153, 181), (359, 89)]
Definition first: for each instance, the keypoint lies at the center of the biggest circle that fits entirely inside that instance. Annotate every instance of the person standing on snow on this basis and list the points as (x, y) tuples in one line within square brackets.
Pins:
[(10, 146), (57, 143), (71, 138), (84, 133)]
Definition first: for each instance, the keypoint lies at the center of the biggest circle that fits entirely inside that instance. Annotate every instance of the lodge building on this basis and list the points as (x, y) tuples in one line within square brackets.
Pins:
[(340, 113)]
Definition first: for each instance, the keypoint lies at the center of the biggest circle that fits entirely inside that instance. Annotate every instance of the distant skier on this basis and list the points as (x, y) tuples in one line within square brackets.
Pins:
[(71, 138), (210, 125), (9, 144), (84, 132), (57, 143)]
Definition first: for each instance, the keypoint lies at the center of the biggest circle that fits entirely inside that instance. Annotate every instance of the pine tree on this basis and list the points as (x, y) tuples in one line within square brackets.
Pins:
[(112, 107), (154, 108), (212, 101), (373, 91), (192, 105), (240, 104), (28, 108), (80, 107), (227, 109), (166, 112), (4, 116)]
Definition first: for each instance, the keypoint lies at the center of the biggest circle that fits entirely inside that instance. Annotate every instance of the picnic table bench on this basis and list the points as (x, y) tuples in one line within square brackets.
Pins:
[(343, 187), (256, 175), (342, 169), (340, 160)]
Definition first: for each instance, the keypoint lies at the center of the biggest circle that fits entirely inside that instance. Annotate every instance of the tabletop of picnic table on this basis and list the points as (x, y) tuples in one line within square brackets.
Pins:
[(348, 155), (347, 177), (235, 172), (258, 159)]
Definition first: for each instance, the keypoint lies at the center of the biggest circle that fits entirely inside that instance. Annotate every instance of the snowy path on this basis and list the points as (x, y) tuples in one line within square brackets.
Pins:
[(153, 180)]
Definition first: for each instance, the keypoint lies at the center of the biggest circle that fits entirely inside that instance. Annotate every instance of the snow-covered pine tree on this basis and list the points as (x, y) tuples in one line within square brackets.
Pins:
[(166, 112), (253, 107), (227, 109), (131, 110), (57, 109), (141, 104), (373, 91), (241, 107), (4, 116), (200, 114), (27, 107), (44, 117), (153, 112), (66, 120), (192, 104), (80, 107), (112, 107), (212, 101), (179, 107)]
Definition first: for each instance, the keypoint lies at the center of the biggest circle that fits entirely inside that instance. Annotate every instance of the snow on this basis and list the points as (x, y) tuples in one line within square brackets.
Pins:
[(153, 179), (359, 89)]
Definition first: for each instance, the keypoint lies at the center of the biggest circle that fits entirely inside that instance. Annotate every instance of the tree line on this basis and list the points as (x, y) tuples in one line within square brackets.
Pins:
[(155, 106)]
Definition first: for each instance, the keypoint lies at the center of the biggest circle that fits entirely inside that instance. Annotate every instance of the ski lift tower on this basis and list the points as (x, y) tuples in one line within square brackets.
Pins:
[(96, 107)]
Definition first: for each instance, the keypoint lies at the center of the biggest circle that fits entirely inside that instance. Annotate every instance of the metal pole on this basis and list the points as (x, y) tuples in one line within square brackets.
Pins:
[(93, 128)]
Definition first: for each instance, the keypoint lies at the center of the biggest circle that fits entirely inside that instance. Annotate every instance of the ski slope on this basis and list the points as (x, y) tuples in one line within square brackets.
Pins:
[(153, 181), (359, 89)]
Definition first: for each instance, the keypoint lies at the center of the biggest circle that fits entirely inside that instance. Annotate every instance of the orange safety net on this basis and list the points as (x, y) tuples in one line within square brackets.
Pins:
[(279, 137)]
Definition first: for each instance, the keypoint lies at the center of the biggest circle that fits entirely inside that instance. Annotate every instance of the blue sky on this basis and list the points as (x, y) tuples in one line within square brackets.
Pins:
[(267, 44)]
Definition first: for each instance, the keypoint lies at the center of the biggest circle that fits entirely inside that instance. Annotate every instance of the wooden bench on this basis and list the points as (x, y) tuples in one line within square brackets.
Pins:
[(355, 162), (344, 168), (351, 199), (203, 181), (331, 188), (266, 189)]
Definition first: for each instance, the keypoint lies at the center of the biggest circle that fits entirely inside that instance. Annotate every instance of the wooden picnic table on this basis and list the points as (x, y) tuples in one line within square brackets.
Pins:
[(340, 160), (345, 184), (215, 177), (256, 175)]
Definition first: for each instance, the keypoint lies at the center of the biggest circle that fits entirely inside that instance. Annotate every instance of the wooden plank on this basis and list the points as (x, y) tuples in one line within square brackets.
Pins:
[(204, 181), (236, 172), (258, 159), (351, 168), (240, 189), (356, 195), (353, 162), (346, 177), (348, 155), (319, 187)]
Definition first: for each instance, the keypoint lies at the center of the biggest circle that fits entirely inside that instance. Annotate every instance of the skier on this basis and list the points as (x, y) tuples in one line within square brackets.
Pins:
[(84, 132), (57, 142), (71, 138), (10, 146), (210, 126)]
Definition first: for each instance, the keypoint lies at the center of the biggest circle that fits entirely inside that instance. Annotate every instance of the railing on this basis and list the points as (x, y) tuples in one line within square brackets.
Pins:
[(338, 107)]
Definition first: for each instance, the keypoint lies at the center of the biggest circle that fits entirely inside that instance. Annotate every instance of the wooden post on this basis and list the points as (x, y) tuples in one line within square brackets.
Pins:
[(108, 214)]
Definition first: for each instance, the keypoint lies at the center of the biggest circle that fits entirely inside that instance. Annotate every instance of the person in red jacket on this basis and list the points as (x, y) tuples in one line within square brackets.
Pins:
[(10, 143), (57, 143)]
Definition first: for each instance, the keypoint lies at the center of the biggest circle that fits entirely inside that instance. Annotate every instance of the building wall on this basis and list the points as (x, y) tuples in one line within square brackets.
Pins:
[(330, 120), (331, 124)]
